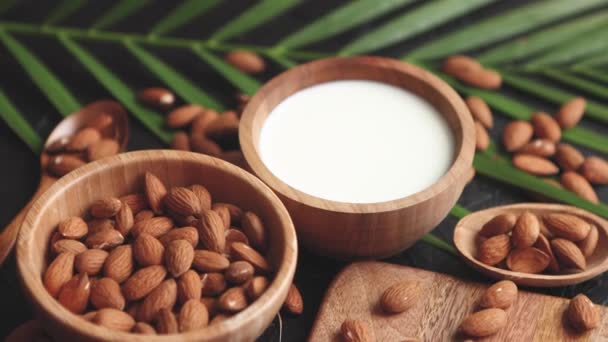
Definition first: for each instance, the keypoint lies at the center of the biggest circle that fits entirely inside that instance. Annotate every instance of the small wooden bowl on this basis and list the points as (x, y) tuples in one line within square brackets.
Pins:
[(123, 174), (465, 236), (355, 230)]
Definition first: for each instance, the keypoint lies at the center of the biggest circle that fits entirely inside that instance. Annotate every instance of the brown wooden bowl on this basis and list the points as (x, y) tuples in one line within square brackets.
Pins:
[(355, 230), (123, 174), (465, 237)]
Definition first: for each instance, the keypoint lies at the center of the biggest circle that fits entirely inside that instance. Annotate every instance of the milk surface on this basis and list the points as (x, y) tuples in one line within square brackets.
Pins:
[(356, 141)]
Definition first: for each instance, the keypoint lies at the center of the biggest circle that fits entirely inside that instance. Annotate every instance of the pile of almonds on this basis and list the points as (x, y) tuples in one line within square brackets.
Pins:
[(554, 242), (92, 142), (492, 317), (163, 261), (470, 71)]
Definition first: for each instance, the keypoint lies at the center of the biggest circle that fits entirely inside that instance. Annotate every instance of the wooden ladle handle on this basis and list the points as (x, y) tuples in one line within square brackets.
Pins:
[(10, 232)]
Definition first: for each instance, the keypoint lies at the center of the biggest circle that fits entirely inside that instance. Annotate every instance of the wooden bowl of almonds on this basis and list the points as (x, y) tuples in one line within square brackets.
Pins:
[(157, 245)]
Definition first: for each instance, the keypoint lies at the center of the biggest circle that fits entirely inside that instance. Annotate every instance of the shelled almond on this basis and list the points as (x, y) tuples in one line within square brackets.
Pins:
[(530, 243), (152, 275)]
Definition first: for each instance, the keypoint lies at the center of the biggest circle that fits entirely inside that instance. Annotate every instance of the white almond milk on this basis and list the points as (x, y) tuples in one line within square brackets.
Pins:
[(356, 141)]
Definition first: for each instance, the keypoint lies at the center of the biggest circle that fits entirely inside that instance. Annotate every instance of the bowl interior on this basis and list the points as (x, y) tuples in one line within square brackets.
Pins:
[(465, 240), (122, 175), (393, 72)]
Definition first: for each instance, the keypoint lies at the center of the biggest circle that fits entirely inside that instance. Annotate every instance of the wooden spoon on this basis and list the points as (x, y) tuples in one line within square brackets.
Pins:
[(465, 240), (68, 126)]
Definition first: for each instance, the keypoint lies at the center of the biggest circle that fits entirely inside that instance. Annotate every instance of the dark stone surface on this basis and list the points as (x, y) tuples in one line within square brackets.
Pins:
[(20, 167)]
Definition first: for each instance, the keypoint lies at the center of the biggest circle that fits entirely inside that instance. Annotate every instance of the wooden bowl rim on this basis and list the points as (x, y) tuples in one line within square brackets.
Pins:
[(463, 154), (32, 278), (538, 280)]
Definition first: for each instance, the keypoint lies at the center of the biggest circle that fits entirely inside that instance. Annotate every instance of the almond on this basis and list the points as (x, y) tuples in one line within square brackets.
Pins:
[(242, 251), (148, 250), (526, 231), (90, 261), (97, 225), (183, 202), (234, 235), (155, 192), (233, 300), (482, 140), (293, 302), (144, 329), (494, 250), (189, 286), (534, 165), (132, 309), (484, 323), (571, 112), (58, 145), (105, 207), (579, 185), (582, 314), (142, 282), (203, 195), (163, 296), (89, 316), (246, 61), (82, 139), (137, 202), (74, 295), (114, 319), (589, 243), (568, 254), (211, 304), (500, 295), (124, 219), (400, 297), (143, 215), (201, 144), (119, 264), (254, 229), (73, 228), (189, 234), (212, 284), (225, 129), (178, 257), (235, 212), (567, 226), (568, 157), (539, 147), (545, 127), (166, 322), (102, 149), (458, 65), (595, 170), (101, 122), (528, 260), (256, 287), (63, 164), (239, 272), (219, 318), (183, 116), (207, 261), (211, 231), (159, 98), (200, 123), (156, 226), (104, 239), (516, 134), (480, 111), (193, 316), (354, 330), (58, 273), (180, 142), (67, 245), (499, 224), (105, 293), (544, 246), (224, 214), (484, 79)]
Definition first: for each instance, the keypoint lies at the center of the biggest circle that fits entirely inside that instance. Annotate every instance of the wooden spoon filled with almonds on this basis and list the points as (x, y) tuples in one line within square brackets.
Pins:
[(98, 130)]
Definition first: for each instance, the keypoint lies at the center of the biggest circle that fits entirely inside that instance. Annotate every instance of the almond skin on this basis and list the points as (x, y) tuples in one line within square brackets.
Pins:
[(457, 65), (568, 157), (293, 303), (499, 224), (242, 251), (104, 239), (225, 129), (212, 284), (545, 127), (189, 286), (203, 195), (526, 231), (568, 254), (142, 282), (595, 170), (182, 201), (500, 295), (516, 134), (90, 261), (105, 293), (124, 219), (246, 61), (234, 235), (155, 192), (193, 316), (74, 295), (589, 243), (183, 116), (579, 185), (82, 139), (155, 97), (211, 231), (206, 146), (105, 207), (224, 214), (239, 272), (400, 297), (484, 79), (582, 314), (567, 226), (178, 257), (484, 323), (73, 228), (545, 246), (166, 322), (143, 215), (58, 273), (534, 165), (189, 234), (528, 260), (354, 330), (571, 112), (137, 202), (539, 147), (200, 123), (180, 142), (480, 111), (162, 297), (144, 329), (156, 226), (482, 140), (256, 287), (119, 264), (102, 149), (114, 319), (67, 245), (207, 261), (148, 251), (494, 250), (254, 229), (63, 164), (233, 300)]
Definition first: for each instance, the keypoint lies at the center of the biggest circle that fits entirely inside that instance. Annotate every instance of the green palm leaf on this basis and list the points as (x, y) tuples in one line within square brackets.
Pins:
[(243, 82), (594, 74), (119, 11), (15, 120), (587, 86), (64, 10), (182, 14)]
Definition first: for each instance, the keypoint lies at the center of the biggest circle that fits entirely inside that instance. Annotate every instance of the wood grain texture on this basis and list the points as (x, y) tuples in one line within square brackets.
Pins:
[(353, 230), (447, 300), (123, 174), (466, 230)]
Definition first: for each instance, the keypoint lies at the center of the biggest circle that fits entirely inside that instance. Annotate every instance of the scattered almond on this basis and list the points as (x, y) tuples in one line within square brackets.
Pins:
[(579, 185), (354, 330), (203, 145), (582, 314), (571, 112), (400, 296), (482, 140), (534, 165), (183, 116), (159, 98), (539, 147), (293, 303), (595, 170), (500, 295), (484, 323), (246, 61), (516, 134), (568, 157), (480, 111), (545, 127)]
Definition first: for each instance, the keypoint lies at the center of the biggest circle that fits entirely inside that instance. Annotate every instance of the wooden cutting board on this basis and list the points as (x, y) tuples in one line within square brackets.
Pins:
[(446, 302)]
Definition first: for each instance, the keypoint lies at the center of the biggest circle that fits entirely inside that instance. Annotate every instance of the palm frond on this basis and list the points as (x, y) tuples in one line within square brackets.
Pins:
[(240, 80), (587, 86), (15, 120), (182, 14), (64, 10), (119, 11)]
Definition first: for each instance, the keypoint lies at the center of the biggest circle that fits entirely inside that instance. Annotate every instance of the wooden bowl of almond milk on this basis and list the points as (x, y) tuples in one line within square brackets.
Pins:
[(368, 154)]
